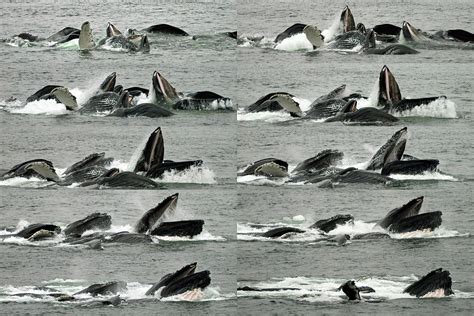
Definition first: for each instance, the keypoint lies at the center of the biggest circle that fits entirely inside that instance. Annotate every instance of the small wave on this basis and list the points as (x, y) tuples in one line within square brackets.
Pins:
[(439, 108), (195, 174), (296, 42)]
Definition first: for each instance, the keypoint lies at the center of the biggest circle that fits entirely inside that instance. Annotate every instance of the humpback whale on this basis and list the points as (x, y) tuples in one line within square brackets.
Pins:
[(435, 283), (198, 280), (39, 168), (162, 92), (391, 151), (326, 225), (312, 34), (92, 221), (352, 290), (186, 228), (104, 288), (151, 160), (347, 20), (350, 113), (418, 166), (32, 229), (203, 100), (394, 49), (322, 160), (155, 215), (280, 231), (280, 166), (172, 277), (407, 218), (277, 101), (92, 160), (166, 29)]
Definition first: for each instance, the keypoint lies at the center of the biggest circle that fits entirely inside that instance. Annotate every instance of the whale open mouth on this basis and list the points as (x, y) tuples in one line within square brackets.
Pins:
[(389, 92), (409, 32), (109, 83), (164, 91), (348, 23), (112, 30)]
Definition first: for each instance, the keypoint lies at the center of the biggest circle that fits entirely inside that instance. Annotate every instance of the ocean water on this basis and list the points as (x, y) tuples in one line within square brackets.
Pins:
[(236, 209)]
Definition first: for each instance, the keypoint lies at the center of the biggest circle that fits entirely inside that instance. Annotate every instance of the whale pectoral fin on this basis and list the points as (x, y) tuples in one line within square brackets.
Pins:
[(45, 171), (313, 35), (86, 41)]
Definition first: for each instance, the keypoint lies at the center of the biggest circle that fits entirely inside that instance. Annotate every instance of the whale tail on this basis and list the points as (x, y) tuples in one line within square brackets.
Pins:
[(86, 41), (313, 35)]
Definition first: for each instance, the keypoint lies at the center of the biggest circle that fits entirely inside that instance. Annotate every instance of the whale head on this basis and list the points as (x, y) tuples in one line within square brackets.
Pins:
[(112, 30), (347, 20), (153, 152), (156, 215), (389, 92), (162, 92), (391, 151), (409, 209), (435, 284)]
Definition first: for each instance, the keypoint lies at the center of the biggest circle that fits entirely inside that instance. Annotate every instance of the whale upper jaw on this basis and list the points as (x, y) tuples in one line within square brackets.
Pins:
[(347, 20), (392, 150), (389, 91), (164, 92)]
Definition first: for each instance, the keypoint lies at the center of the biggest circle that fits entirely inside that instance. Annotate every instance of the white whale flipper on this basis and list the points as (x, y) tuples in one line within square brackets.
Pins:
[(313, 35), (86, 41)]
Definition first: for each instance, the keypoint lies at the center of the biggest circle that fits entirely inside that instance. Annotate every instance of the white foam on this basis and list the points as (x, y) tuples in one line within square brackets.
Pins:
[(296, 42), (69, 45), (48, 107), (24, 182), (277, 116), (425, 176), (439, 108), (203, 236), (261, 180), (325, 290), (334, 30), (194, 174)]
